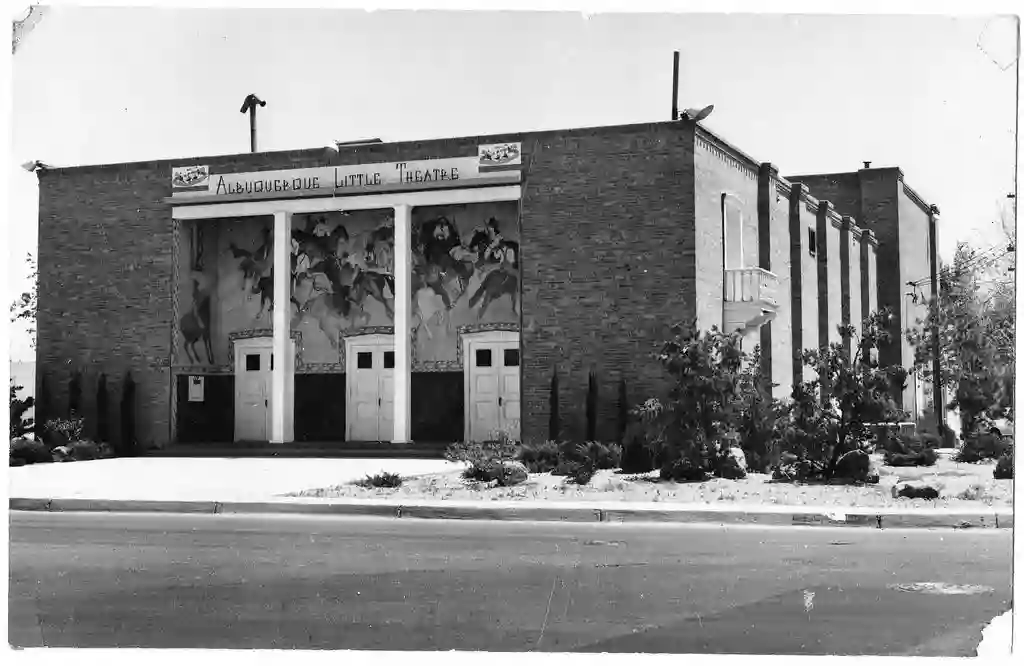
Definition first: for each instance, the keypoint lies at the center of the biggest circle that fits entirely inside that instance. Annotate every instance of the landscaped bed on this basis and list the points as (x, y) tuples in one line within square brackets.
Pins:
[(960, 485)]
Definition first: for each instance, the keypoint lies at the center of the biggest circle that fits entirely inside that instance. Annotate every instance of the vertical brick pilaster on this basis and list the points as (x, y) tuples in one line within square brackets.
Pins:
[(844, 279), (767, 175), (796, 277), (822, 225)]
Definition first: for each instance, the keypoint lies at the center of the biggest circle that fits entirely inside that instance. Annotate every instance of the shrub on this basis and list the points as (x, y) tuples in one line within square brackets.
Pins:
[(20, 425), (923, 458), (64, 431), (982, 446), (592, 407), (1004, 467), (486, 459), (382, 480), (728, 467), (761, 417), (637, 454), (604, 456), (102, 410), (30, 451), (75, 394), (129, 446), (582, 473), (554, 420), (539, 458), (623, 414), (683, 469), (84, 450)]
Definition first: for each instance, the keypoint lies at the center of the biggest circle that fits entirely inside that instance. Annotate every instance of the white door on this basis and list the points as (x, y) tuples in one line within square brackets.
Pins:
[(371, 393), (252, 392), (493, 386)]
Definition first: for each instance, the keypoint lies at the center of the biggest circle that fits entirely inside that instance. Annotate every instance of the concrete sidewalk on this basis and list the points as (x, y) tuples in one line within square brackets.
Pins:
[(200, 479), (225, 485)]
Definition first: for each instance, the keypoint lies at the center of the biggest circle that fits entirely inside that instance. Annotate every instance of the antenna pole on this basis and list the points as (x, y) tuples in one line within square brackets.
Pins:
[(675, 85)]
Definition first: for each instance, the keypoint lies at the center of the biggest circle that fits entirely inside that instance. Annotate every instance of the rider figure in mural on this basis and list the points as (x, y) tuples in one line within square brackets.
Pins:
[(499, 251)]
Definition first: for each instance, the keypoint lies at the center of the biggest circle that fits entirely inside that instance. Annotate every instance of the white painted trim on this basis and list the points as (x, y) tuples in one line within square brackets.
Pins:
[(468, 341), (372, 340), (402, 403), (359, 202), (281, 325)]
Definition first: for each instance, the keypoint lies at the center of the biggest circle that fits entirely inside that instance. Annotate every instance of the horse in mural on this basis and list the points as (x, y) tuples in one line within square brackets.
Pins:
[(441, 258), (195, 325), (498, 262), (257, 271)]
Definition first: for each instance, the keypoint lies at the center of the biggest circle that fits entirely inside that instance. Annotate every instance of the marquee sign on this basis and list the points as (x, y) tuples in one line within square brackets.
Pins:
[(197, 181)]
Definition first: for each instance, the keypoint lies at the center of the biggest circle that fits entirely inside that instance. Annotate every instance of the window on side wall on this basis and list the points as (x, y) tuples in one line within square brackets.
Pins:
[(812, 242)]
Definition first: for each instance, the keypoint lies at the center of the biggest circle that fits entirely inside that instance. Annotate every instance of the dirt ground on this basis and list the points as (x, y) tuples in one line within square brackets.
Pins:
[(960, 485)]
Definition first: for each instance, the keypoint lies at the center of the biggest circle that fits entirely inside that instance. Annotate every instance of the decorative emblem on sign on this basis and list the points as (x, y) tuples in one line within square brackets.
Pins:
[(500, 154), (190, 177)]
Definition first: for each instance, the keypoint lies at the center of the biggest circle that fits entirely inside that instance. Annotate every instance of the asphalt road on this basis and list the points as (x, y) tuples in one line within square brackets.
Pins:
[(204, 581)]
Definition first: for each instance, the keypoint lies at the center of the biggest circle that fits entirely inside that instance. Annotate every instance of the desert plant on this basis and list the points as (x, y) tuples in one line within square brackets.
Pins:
[(622, 422), (582, 473), (857, 392), (75, 394), (592, 406), (102, 415), (761, 417), (20, 425), (382, 480), (29, 451), (981, 446), (1004, 467), (554, 419), (67, 430), (129, 445), (539, 458), (487, 460)]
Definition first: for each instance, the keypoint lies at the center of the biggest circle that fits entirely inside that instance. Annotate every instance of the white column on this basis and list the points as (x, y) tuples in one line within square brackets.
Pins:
[(403, 302), (280, 398)]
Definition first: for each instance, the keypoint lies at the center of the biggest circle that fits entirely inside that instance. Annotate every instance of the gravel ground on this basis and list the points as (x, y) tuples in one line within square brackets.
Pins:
[(960, 486)]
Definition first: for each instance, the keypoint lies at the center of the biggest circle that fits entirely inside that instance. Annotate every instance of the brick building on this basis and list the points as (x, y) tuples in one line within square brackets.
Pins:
[(513, 257)]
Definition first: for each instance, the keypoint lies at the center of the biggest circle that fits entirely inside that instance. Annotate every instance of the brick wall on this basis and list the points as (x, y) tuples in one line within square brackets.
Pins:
[(915, 266), (717, 172), (807, 211), (776, 234), (608, 264), (105, 271)]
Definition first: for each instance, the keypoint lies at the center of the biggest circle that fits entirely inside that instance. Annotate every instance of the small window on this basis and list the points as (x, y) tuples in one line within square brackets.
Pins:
[(812, 242), (483, 358), (389, 360), (252, 362), (511, 358), (364, 360), (271, 361)]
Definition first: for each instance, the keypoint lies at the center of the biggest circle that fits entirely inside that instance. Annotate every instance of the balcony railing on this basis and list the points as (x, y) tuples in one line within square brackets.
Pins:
[(751, 285)]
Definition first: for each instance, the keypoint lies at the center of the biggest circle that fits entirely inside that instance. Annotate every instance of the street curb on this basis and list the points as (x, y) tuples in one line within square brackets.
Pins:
[(550, 513)]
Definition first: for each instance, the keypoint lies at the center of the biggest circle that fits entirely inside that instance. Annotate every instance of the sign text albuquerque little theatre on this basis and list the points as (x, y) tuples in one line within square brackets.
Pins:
[(196, 181)]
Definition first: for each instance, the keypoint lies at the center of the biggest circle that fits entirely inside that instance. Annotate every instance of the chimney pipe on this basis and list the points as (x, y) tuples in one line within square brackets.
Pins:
[(675, 85), (867, 165)]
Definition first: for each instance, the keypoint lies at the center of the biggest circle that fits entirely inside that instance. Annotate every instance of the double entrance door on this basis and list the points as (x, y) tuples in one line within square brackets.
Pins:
[(254, 398), (491, 363), (370, 377)]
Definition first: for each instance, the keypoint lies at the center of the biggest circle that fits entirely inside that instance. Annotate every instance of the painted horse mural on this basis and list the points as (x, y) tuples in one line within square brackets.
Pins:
[(257, 271), (195, 326), (498, 262), (333, 279)]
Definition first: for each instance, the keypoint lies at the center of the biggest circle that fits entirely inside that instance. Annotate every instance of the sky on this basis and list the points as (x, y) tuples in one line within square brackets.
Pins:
[(933, 95)]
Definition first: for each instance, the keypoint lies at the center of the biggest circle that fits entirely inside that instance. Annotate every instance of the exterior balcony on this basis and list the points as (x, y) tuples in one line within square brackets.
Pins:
[(750, 299)]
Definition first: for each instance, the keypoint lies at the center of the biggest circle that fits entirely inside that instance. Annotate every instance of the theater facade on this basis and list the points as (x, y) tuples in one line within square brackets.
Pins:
[(429, 291)]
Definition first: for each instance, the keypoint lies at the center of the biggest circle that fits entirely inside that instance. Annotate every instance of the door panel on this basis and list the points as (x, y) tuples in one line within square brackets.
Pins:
[(510, 402), (386, 411), (253, 395)]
